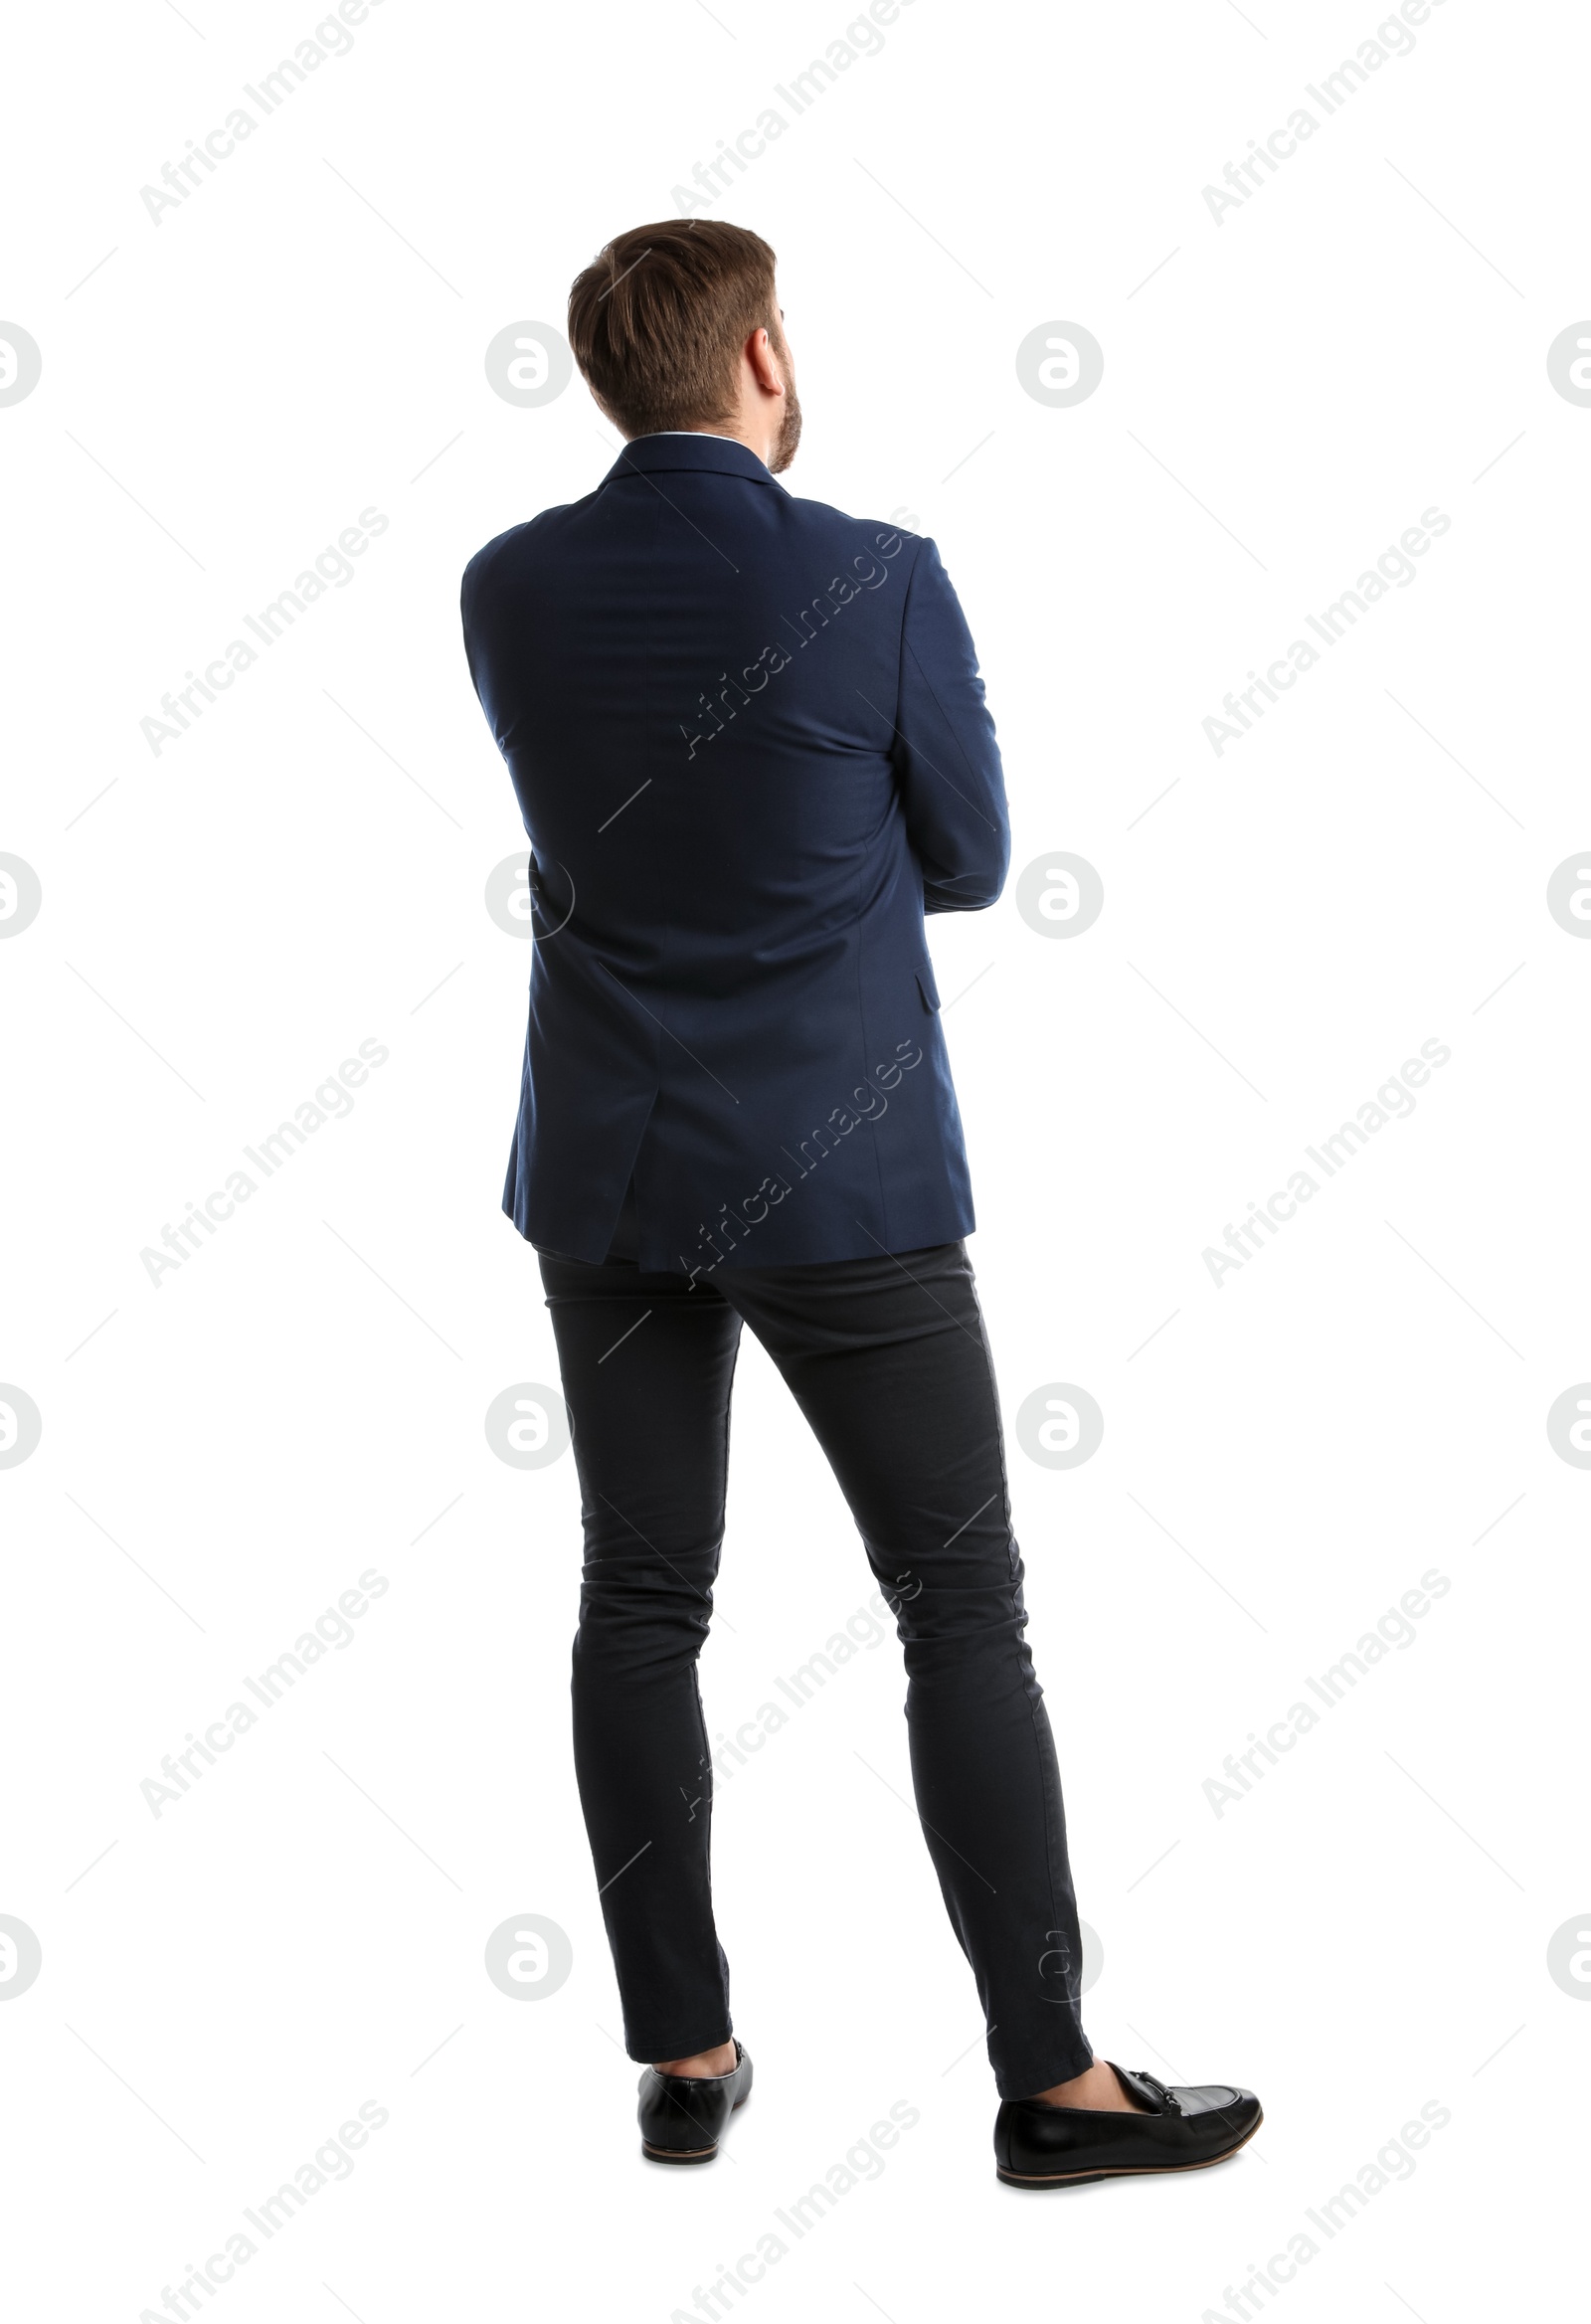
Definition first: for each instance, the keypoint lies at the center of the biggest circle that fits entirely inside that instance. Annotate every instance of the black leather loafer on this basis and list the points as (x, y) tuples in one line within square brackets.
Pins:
[(1068, 2146), (682, 2116)]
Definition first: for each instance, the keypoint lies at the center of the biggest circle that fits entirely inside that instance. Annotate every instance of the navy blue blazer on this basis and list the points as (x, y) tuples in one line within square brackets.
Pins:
[(749, 745)]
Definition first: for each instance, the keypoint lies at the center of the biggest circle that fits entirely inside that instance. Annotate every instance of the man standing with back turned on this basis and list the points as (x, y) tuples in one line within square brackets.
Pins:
[(749, 741)]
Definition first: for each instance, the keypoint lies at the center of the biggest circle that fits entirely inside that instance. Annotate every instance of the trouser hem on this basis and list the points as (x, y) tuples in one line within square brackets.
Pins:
[(1033, 2075), (648, 2052)]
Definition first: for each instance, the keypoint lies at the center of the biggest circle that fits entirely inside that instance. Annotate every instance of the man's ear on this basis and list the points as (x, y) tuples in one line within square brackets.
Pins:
[(759, 355)]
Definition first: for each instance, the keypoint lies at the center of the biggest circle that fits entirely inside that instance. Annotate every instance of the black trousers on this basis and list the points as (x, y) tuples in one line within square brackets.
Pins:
[(887, 1358)]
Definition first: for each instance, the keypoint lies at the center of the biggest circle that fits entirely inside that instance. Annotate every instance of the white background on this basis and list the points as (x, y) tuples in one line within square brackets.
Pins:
[(1283, 393)]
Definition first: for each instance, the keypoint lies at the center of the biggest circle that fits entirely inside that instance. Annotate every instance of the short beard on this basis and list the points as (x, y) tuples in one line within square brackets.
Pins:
[(790, 424), (790, 433)]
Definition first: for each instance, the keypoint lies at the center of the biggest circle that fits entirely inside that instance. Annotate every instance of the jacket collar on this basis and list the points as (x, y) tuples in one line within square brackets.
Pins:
[(721, 456)]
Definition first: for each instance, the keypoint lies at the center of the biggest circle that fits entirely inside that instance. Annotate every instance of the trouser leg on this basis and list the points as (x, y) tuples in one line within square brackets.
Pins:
[(647, 1365), (888, 1360)]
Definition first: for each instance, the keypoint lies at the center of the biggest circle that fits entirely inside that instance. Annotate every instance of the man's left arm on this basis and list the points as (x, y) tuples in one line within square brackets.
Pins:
[(947, 761)]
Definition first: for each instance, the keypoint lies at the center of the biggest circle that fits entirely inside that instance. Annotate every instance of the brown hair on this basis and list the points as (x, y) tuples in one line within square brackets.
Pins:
[(658, 320)]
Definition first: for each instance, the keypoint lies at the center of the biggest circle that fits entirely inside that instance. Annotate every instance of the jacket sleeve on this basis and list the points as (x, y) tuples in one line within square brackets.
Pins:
[(947, 761)]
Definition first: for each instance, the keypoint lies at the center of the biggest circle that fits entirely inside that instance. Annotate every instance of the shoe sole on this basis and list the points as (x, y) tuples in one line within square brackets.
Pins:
[(697, 2154), (1127, 2171)]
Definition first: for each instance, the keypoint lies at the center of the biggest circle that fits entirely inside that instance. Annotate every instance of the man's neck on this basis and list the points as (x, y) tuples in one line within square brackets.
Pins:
[(724, 435)]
